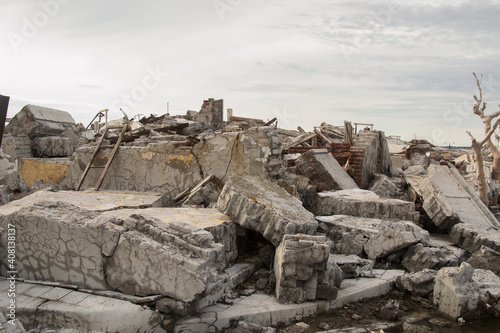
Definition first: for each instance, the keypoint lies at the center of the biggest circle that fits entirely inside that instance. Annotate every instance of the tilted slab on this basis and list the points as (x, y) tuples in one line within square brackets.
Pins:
[(324, 171), (449, 199), (265, 207), (363, 203), (58, 308)]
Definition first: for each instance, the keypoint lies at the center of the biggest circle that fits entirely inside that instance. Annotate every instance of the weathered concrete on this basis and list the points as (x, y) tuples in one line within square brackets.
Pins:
[(374, 237), (418, 284), (471, 238), (458, 290), (265, 207), (449, 199), (211, 114), (486, 258), (300, 266), (256, 152), (54, 146), (353, 266), (47, 170), (265, 310), (385, 187), (9, 175), (434, 256), (5, 194), (364, 203), (164, 251), (35, 121), (324, 172), (394, 236), (58, 308), (159, 167)]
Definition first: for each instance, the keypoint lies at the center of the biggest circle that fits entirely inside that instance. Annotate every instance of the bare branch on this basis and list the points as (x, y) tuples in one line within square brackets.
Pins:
[(478, 108), (471, 136), (490, 132)]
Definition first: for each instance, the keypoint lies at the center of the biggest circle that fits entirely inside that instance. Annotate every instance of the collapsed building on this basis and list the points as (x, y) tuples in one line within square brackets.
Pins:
[(170, 217)]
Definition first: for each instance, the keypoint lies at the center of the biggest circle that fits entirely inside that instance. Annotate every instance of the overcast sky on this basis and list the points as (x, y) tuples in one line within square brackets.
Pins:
[(404, 66)]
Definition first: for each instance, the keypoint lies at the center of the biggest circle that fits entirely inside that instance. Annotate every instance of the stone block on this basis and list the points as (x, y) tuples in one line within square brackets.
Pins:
[(324, 172), (418, 284), (353, 266), (301, 265), (36, 121), (471, 238), (458, 290), (363, 203), (419, 257), (394, 236), (486, 258), (265, 207)]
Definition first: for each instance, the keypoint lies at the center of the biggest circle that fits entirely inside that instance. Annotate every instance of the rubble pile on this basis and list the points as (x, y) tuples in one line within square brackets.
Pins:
[(206, 223)]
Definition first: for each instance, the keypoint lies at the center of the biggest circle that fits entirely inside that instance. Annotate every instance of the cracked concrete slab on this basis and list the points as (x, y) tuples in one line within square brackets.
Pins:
[(59, 308)]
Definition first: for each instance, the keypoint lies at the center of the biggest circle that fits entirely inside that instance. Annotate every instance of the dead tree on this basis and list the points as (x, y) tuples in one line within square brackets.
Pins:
[(489, 129)]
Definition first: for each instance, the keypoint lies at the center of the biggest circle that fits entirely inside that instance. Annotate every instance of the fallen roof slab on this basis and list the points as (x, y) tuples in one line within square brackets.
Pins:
[(91, 200), (449, 199), (265, 310)]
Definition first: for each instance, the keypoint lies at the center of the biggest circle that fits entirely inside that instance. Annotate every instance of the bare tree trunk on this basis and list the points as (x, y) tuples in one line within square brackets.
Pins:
[(481, 178)]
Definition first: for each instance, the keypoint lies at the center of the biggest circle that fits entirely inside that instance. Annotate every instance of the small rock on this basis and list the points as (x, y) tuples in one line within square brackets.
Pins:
[(303, 325), (356, 317), (440, 322), (324, 326), (247, 292), (262, 283), (390, 311)]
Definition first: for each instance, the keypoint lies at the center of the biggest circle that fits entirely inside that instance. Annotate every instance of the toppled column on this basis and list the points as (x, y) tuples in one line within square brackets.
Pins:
[(324, 172), (302, 270), (265, 207), (449, 199), (36, 121), (458, 290)]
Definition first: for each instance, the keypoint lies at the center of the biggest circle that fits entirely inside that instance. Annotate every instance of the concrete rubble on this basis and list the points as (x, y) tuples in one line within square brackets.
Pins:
[(203, 224)]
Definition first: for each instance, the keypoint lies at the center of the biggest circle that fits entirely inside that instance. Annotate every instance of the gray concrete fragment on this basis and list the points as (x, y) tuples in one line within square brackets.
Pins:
[(394, 236), (324, 172), (419, 257), (353, 266), (356, 202), (458, 290), (35, 121), (265, 207), (418, 284), (300, 265), (385, 187), (449, 199), (471, 238), (486, 258), (5, 194), (9, 175)]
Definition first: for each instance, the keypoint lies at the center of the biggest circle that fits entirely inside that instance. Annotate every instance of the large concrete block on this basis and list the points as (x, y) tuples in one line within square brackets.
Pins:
[(449, 199), (35, 121), (256, 152), (356, 202), (419, 257), (148, 251), (265, 207), (301, 267), (458, 290), (486, 258), (418, 284), (324, 172), (471, 237)]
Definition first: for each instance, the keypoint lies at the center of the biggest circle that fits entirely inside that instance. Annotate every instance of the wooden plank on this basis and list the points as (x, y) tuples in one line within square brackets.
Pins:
[(99, 144), (324, 138), (302, 139), (99, 182)]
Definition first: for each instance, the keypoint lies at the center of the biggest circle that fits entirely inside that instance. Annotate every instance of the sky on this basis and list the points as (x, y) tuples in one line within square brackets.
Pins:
[(405, 66)]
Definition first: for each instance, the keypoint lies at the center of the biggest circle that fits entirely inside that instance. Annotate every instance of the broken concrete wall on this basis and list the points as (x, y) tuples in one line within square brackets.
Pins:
[(434, 256), (256, 152), (159, 167), (211, 114), (35, 121), (137, 251), (324, 172), (265, 207), (471, 238), (449, 199), (369, 155), (356, 202), (46, 170), (301, 265), (16, 147), (9, 175)]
